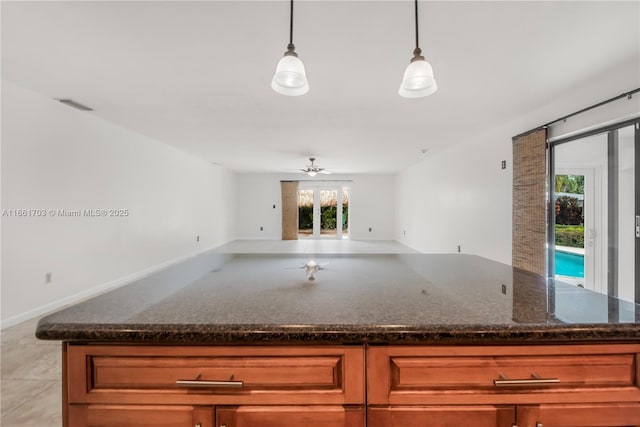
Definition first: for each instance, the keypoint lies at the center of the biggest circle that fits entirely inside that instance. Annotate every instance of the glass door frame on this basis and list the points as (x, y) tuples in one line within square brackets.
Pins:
[(611, 131), (317, 217), (317, 187), (592, 221)]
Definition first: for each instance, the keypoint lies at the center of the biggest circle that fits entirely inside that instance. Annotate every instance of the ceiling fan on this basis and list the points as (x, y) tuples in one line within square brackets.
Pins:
[(313, 169)]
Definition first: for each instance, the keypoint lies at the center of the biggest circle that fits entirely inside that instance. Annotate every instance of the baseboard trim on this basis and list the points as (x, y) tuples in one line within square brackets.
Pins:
[(402, 242), (260, 238)]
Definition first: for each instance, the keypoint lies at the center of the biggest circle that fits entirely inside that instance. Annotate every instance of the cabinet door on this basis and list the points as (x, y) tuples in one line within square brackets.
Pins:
[(580, 415), (290, 416), (442, 416), (139, 415)]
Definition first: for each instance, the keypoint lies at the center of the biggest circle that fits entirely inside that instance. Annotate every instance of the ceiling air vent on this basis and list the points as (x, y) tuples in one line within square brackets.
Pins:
[(76, 105)]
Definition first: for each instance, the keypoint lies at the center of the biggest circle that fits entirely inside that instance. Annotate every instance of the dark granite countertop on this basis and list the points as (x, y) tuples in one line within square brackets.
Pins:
[(395, 298)]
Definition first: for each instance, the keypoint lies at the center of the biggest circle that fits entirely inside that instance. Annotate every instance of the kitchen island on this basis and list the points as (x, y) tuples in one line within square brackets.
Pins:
[(381, 340)]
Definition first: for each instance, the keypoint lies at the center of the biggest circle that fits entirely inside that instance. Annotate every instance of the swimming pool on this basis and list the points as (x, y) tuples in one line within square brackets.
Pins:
[(569, 264)]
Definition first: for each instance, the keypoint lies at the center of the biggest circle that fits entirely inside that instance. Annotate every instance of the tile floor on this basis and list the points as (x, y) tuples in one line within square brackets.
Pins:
[(31, 390)]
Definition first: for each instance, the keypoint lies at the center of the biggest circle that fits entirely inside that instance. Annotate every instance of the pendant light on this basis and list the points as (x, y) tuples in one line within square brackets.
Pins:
[(290, 78), (418, 80)]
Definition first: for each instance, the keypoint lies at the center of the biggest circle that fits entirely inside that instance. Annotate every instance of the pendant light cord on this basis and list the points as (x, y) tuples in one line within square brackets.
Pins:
[(416, 7), (291, 49), (291, 25)]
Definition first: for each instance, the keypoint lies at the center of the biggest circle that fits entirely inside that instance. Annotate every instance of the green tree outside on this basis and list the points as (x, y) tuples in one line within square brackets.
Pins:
[(570, 184)]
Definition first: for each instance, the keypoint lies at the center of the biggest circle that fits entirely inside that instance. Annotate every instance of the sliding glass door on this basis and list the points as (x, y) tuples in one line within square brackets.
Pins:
[(624, 144), (595, 211), (580, 218)]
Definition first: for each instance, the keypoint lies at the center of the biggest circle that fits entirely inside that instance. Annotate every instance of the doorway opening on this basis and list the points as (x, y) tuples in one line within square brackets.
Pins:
[(576, 226), (305, 213), (323, 211), (328, 213), (594, 233)]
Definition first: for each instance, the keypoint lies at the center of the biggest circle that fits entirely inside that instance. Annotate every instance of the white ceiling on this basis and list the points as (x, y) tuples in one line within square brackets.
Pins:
[(197, 75)]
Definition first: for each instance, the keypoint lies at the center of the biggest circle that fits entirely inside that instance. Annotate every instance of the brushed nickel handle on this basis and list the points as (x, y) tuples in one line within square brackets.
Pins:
[(203, 383), (534, 380), (197, 382)]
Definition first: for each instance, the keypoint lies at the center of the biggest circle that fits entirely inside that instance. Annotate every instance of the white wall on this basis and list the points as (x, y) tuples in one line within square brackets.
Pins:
[(55, 157), (370, 205), (460, 196), (255, 196)]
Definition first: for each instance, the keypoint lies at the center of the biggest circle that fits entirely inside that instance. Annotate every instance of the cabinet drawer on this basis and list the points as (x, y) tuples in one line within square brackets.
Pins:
[(580, 415), (416, 375), (139, 415), (291, 416), (442, 416), (216, 375)]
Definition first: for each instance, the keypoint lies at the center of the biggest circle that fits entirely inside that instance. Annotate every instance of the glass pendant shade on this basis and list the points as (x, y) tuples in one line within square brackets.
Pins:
[(290, 78), (312, 173), (418, 80)]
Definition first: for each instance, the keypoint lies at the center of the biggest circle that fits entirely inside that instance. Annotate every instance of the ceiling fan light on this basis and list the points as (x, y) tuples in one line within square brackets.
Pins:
[(312, 173), (418, 80), (290, 78)]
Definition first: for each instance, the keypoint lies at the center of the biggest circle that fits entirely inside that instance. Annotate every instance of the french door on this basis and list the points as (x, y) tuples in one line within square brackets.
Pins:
[(323, 211)]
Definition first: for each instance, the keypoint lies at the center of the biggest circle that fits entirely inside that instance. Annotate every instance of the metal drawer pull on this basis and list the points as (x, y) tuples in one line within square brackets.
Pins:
[(197, 382), (534, 380)]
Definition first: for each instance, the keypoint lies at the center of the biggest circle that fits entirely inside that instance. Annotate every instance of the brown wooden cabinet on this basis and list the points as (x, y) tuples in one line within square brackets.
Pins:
[(580, 415), (504, 386), (140, 415), (290, 416), (593, 385), (128, 385), (442, 416)]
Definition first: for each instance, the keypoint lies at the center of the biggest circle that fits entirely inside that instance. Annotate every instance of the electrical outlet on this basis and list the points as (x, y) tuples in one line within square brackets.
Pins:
[(261, 228), (459, 249), (504, 164), (504, 289), (48, 278), (404, 232), (197, 238), (370, 229), (274, 206)]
